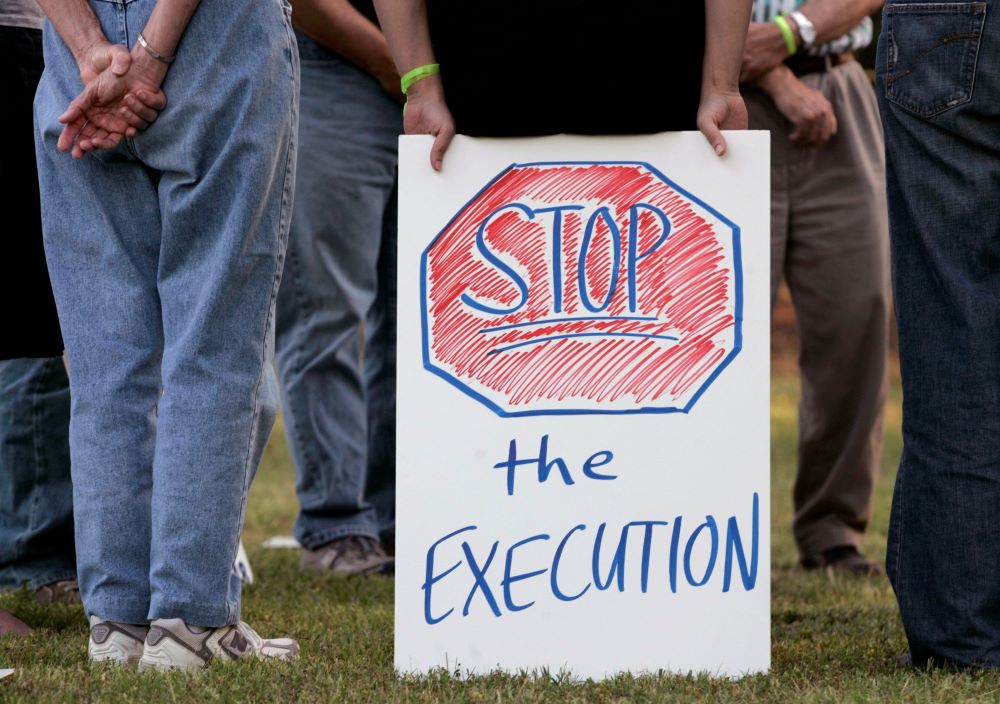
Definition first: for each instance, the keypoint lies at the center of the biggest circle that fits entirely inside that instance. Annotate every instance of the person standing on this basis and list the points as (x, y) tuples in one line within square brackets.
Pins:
[(829, 240), (525, 68), (938, 85), (165, 249), (36, 496), (336, 307)]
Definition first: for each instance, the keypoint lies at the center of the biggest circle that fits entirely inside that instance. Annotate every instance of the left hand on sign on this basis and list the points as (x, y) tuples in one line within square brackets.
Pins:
[(764, 49), (720, 110)]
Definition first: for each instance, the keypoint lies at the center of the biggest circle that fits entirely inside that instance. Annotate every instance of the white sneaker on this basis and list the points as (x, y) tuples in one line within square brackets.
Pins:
[(115, 643), (171, 644)]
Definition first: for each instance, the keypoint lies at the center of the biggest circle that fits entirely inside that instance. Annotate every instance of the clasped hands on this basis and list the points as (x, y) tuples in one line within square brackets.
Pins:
[(121, 96), (809, 113)]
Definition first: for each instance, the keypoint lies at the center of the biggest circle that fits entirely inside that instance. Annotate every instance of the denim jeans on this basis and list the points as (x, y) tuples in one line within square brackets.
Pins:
[(336, 307), (939, 87), (36, 496), (165, 256)]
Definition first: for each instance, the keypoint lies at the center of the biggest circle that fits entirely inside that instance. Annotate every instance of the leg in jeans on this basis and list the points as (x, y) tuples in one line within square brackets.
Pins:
[(226, 170), (166, 317), (346, 180), (101, 222), (36, 496), (939, 88)]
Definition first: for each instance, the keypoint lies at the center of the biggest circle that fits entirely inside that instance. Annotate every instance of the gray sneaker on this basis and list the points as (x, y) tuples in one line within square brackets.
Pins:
[(171, 644), (115, 643), (350, 555), (66, 591)]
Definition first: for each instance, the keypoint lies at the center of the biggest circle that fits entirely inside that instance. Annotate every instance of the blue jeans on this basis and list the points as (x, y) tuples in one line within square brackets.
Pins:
[(939, 87), (165, 256), (336, 307), (36, 496)]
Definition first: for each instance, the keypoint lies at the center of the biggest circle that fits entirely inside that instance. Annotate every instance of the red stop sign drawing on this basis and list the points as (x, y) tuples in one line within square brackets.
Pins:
[(571, 288)]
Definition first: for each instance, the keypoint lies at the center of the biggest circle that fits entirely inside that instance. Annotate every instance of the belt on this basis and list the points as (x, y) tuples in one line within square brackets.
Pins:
[(802, 64)]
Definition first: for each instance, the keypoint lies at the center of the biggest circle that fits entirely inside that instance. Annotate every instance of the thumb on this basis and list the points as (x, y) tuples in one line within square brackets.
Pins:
[(441, 142), (120, 59), (710, 128)]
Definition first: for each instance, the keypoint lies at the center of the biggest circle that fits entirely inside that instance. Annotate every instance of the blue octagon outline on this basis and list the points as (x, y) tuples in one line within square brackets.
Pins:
[(500, 411)]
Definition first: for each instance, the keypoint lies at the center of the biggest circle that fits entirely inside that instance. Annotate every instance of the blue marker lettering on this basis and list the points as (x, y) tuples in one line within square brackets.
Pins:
[(431, 579), (714, 533), (508, 579), (499, 264), (555, 568)]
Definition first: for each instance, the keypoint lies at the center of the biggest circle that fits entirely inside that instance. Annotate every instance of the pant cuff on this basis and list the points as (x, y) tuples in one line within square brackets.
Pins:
[(33, 582), (121, 610), (205, 615), (817, 540)]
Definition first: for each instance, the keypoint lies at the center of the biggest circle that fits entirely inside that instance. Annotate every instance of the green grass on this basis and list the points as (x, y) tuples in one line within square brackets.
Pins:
[(833, 639)]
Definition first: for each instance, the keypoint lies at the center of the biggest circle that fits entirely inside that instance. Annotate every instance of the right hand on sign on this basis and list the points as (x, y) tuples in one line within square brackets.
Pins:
[(811, 114), (427, 113)]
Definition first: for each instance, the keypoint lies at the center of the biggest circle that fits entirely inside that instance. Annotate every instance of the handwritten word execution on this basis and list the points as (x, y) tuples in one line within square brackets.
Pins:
[(683, 553)]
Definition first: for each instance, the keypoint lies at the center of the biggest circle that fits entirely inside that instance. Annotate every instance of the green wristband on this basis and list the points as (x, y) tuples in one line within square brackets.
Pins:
[(787, 34), (414, 75)]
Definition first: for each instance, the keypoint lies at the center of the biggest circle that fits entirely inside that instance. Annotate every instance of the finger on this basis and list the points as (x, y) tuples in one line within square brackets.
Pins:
[(441, 142), (710, 128), (69, 134), (109, 140), (71, 114), (131, 118), (157, 101), (139, 108), (120, 59)]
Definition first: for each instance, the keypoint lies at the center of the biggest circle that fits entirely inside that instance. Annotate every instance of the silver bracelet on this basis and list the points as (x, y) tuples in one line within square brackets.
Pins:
[(153, 52)]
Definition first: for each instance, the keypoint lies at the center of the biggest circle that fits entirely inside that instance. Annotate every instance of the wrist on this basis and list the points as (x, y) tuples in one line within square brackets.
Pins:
[(429, 87), (775, 80), (146, 69), (84, 45)]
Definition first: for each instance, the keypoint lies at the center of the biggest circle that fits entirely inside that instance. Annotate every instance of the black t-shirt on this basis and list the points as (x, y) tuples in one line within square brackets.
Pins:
[(533, 67)]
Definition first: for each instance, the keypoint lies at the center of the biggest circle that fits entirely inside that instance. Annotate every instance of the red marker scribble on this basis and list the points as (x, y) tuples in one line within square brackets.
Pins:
[(578, 288)]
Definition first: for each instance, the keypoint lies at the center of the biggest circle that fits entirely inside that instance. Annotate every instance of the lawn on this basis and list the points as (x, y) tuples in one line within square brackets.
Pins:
[(834, 639)]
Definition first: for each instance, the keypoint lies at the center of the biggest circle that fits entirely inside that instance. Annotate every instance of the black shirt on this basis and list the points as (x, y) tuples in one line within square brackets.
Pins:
[(534, 67)]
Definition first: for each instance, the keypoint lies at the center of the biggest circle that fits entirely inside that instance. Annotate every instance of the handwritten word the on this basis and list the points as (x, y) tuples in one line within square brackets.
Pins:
[(491, 587), (544, 466)]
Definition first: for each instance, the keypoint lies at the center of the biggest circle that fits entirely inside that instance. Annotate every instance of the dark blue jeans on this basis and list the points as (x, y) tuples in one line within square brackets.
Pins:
[(36, 496), (336, 325), (939, 87)]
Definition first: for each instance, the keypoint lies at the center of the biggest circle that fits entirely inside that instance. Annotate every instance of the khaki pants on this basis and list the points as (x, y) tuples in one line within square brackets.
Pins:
[(829, 239)]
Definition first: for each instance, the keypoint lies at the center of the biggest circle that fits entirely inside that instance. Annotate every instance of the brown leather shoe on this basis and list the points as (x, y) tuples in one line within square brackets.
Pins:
[(11, 625), (350, 555), (845, 559), (66, 591)]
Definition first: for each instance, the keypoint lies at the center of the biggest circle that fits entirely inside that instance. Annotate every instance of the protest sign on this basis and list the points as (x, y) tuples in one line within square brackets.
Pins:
[(583, 418)]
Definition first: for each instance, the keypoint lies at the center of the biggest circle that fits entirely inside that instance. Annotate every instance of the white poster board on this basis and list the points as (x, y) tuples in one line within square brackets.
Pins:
[(583, 406)]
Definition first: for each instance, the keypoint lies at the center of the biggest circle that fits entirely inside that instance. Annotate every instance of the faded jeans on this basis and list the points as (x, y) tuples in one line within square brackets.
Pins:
[(165, 256), (36, 496), (336, 307), (939, 88)]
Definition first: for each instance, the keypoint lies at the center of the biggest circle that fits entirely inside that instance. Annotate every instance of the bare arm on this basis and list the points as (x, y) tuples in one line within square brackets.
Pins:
[(722, 107), (834, 18), (337, 25), (405, 25), (765, 47)]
